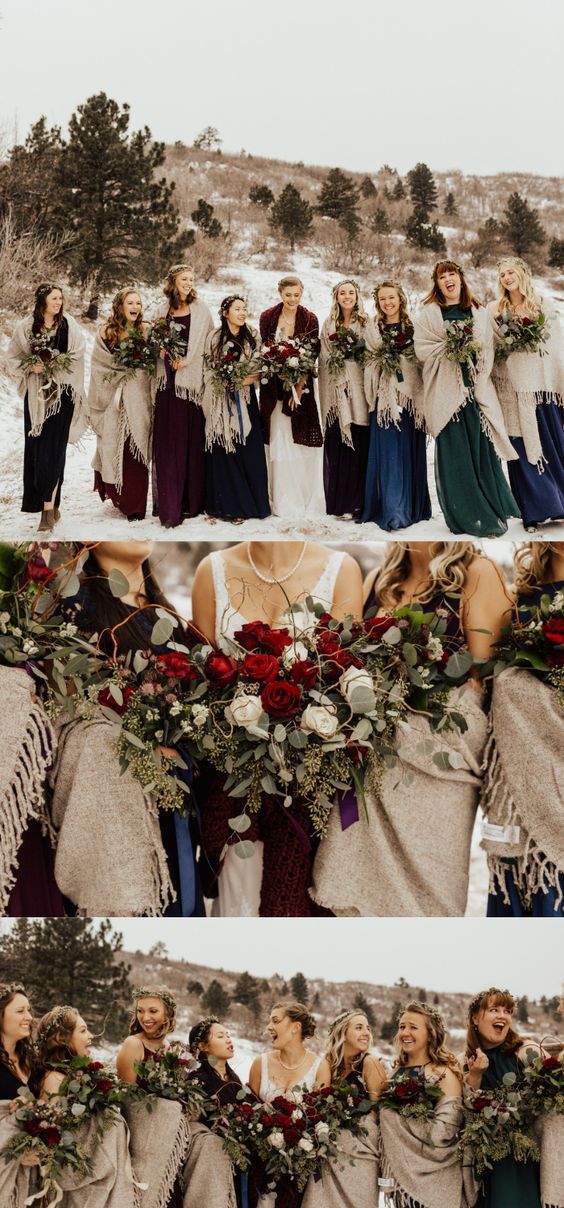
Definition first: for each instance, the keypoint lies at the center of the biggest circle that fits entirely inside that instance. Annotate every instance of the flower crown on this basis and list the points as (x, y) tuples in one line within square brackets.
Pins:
[(154, 992), (339, 1019), (489, 993), (197, 1034), (426, 1008), (384, 284), (56, 1021), (10, 988), (227, 302)]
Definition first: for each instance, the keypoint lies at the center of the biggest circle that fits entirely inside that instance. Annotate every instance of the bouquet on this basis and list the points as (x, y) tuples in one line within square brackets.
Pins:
[(346, 345), (168, 337), (394, 345), (229, 370), (542, 1085), (134, 352), (166, 1075), (88, 1088), (520, 334), (495, 1127), (51, 359), (289, 360), (535, 640), (44, 1132), (411, 1097), (285, 1136), (459, 344)]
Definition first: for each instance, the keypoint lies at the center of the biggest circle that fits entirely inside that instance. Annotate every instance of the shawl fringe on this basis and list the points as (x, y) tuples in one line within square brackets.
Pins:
[(176, 1159), (23, 799), (398, 1197), (163, 891), (387, 414)]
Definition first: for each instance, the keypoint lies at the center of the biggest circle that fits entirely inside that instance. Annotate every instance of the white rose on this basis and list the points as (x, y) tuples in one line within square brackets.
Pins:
[(200, 715), (175, 709), (246, 710), (305, 1144), (276, 1139), (322, 1129), (321, 720), (352, 678), (4, 618), (435, 647), (293, 362), (297, 652)]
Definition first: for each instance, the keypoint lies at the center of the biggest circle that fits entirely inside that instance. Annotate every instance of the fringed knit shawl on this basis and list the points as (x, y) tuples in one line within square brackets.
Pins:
[(524, 784), (119, 409), (165, 1146), (550, 1134), (27, 749), (306, 428), (189, 378), (110, 1182), (110, 856), (342, 397), (445, 393), (422, 1156), (14, 1178), (526, 379), (40, 408), (388, 396), (227, 419), (349, 1180)]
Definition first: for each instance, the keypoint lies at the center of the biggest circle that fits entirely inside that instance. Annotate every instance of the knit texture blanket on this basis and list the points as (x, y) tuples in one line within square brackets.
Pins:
[(165, 1146), (227, 419), (445, 392), (524, 783), (525, 379), (27, 748), (346, 1185), (306, 429), (385, 394), (40, 407), (392, 861), (189, 378), (110, 857), (14, 1179), (549, 1131), (342, 397), (110, 1183), (119, 409), (422, 1157)]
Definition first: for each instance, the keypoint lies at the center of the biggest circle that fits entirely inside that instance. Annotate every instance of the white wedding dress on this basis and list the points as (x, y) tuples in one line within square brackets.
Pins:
[(240, 880), (295, 472), (268, 1090)]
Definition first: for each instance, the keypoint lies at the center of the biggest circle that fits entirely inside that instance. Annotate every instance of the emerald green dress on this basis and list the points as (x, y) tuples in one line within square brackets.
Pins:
[(473, 492), (510, 1184)]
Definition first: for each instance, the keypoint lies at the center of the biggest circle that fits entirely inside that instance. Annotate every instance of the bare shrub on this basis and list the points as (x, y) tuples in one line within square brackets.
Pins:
[(25, 261)]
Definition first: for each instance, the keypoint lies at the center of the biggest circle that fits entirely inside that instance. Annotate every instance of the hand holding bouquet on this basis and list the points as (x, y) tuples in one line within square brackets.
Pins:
[(516, 333), (346, 345)]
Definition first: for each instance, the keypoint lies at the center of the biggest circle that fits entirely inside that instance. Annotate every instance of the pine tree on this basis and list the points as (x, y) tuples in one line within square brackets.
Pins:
[(522, 1011), (291, 215), (436, 1000), (422, 189), (367, 187), (421, 234), (522, 225), (398, 192), (390, 1026), (556, 253), (247, 989), (216, 1000), (488, 244), (361, 1004), (208, 139), (451, 208), (29, 179), (379, 222), (204, 219), (299, 988), (195, 987), (339, 200), (261, 195)]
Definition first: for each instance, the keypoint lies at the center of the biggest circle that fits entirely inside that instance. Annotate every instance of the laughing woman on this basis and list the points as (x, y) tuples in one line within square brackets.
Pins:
[(236, 474), (396, 493), (120, 412), (53, 413), (530, 386), (179, 426), (16, 1062), (344, 410), (454, 341), (212, 1046), (526, 856)]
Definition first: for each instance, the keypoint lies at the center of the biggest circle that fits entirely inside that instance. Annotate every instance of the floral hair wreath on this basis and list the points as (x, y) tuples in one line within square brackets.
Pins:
[(340, 1018), (10, 988), (227, 302), (56, 1021), (154, 992), (425, 1007), (489, 993), (198, 1033)]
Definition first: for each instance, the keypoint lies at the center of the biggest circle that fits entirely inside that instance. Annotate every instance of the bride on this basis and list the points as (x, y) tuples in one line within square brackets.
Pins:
[(274, 582)]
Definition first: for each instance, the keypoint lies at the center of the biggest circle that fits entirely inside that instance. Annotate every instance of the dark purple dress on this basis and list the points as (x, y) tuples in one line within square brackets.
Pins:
[(344, 470), (45, 455), (35, 894), (178, 451)]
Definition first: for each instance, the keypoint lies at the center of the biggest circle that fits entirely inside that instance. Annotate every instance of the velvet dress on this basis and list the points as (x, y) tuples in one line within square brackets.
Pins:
[(178, 450), (473, 493), (45, 455), (541, 495)]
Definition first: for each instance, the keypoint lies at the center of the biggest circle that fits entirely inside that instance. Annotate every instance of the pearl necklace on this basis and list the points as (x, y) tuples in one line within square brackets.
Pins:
[(280, 578), (291, 1068)]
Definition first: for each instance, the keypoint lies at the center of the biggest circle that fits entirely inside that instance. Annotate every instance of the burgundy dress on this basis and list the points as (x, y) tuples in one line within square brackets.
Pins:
[(306, 429), (35, 893), (132, 499), (178, 450)]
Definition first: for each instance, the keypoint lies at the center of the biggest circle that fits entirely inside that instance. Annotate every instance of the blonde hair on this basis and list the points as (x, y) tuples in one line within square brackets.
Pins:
[(335, 1051), (358, 310), (532, 300), (436, 1035), (290, 279), (298, 1014), (448, 564), (168, 1002), (169, 288), (117, 321), (533, 566), (404, 316)]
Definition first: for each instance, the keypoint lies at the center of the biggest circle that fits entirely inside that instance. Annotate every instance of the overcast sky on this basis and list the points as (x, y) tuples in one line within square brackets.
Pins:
[(472, 86)]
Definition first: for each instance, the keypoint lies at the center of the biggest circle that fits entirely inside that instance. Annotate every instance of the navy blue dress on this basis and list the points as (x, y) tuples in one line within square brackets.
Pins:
[(396, 493), (237, 482), (541, 495)]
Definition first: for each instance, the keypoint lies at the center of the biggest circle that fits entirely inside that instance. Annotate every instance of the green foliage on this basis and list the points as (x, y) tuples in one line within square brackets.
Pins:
[(195, 987), (489, 243), (339, 200), (556, 253), (379, 222), (29, 180), (261, 195), (208, 139), (216, 1000), (522, 225), (451, 208), (205, 221), (367, 187), (422, 190), (299, 988), (291, 215), (398, 192), (246, 990), (422, 234)]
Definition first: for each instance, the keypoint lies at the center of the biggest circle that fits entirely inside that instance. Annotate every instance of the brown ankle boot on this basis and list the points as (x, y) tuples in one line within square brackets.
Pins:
[(47, 522)]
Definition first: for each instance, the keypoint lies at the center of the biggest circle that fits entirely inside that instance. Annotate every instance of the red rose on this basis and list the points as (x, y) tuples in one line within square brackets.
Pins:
[(221, 669), (402, 1091), (256, 636), (304, 672), (556, 659), (94, 1065), (291, 1135), (246, 1109), (554, 630), (176, 666), (104, 1085), (105, 698), (551, 1063), (338, 663), (38, 572), (479, 1104), (328, 642), (265, 1119), (281, 698), (260, 667), (51, 1136), (525, 321), (377, 626), (280, 1121), (31, 1127), (44, 355)]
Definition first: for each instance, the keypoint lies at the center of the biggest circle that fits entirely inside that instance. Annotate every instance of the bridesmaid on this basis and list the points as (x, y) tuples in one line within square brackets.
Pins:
[(344, 409), (290, 419), (462, 410), (396, 494), (527, 869), (347, 1059), (16, 1063), (494, 1049), (236, 474), (179, 425), (52, 411), (212, 1046), (530, 386), (120, 412)]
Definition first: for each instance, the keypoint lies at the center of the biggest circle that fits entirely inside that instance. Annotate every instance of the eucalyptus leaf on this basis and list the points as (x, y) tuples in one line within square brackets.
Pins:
[(240, 823), (162, 631), (459, 664), (117, 583), (244, 849)]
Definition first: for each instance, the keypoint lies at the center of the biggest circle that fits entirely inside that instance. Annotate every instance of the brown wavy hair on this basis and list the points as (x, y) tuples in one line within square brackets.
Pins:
[(358, 311), (117, 321), (491, 998), (448, 564), (436, 1033), (24, 1048), (169, 288), (298, 1014), (168, 1003), (404, 316), (467, 298), (41, 294), (533, 566), (53, 1042)]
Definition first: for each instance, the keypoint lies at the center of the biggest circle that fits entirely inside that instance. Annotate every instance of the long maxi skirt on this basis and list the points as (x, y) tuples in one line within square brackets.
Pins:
[(45, 456), (178, 456), (132, 499), (237, 482), (396, 493), (473, 493), (344, 470), (541, 495)]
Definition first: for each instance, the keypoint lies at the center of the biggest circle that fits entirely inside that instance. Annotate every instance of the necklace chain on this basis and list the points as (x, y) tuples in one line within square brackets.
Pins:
[(291, 1068), (279, 578)]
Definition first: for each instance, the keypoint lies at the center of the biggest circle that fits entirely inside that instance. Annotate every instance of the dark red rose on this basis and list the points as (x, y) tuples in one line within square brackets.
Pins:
[(356, 754), (103, 1085), (304, 672), (401, 1091), (377, 626), (260, 667), (94, 1065), (283, 1104), (551, 1063), (554, 630), (105, 698), (256, 636), (556, 659), (478, 1105), (176, 666), (526, 321), (265, 1119), (51, 1136), (246, 1109), (328, 642), (38, 572), (338, 662), (221, 669), (326, 1091), (291, 1135), (281, 698), (31, 1127), (280, 1120), (44, 355)]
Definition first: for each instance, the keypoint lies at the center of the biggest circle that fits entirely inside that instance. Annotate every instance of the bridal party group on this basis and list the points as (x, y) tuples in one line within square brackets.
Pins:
[(238, 745), (172, 1125), (293, 421)]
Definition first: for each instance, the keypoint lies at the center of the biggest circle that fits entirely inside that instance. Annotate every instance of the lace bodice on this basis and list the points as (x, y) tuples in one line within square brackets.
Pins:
[(228, 619), (268, 1089)]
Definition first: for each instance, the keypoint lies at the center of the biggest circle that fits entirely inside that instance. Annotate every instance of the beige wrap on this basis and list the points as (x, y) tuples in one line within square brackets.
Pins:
[(341, 398), (525, 379), (346, 1185), (73, 378), (189, 379), (549, 1131), (165, 1145), (444, 390), (388, 396), (222, 423), (422, 1156), (411, 856), (119, 409), (14, 1179), (111, 1182)]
